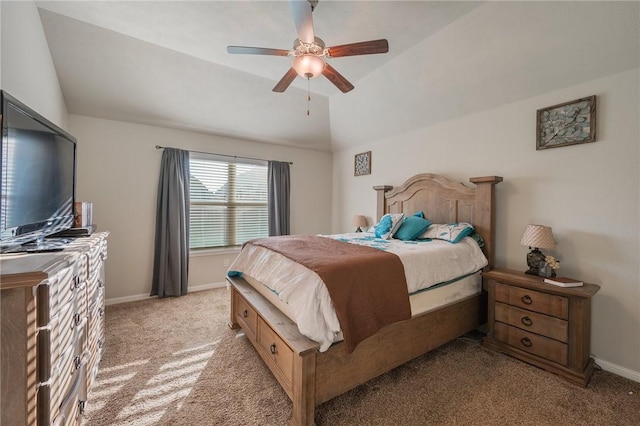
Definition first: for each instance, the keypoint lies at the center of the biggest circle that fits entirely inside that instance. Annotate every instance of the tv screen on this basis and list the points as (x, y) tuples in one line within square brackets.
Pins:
[(37, 185)]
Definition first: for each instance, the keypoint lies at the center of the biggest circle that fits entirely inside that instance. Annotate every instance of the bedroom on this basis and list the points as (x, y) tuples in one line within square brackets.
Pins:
[(589, 194)]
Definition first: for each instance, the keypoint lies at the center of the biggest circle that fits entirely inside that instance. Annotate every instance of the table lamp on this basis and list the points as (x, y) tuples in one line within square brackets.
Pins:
[(537, 237), (359, 221)]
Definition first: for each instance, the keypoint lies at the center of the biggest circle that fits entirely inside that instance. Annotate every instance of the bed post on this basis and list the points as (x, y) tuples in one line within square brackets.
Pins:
[(381, 207), (485, 218)]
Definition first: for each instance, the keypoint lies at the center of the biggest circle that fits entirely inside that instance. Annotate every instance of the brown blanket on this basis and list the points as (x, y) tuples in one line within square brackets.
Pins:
[(367, 286)]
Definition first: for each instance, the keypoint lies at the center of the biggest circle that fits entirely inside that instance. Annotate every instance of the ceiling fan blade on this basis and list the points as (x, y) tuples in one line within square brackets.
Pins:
[(337, 79), (285, 81), (301, 11), (246, 50), (362, 48)]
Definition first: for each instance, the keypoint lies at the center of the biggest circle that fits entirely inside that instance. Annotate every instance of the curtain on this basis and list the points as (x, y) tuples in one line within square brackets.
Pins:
[(171, 255), (279, 189)]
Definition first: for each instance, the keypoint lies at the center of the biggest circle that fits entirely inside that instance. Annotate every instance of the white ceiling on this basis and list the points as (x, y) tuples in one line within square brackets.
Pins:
[(165, 63)]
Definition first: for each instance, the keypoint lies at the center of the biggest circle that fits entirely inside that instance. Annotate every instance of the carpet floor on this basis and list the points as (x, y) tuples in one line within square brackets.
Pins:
[(175, 361)]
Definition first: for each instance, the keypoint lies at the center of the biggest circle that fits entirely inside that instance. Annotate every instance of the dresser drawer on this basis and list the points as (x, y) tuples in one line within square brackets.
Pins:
[(531, 300), (545, 325), (280, 354), (532, 343), (247, 316)]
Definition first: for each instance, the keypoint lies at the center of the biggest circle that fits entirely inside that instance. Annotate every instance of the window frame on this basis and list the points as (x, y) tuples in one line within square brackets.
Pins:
[(232, 206)]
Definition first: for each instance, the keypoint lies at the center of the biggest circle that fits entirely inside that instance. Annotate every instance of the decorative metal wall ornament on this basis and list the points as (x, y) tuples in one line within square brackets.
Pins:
[(362, 164), (565, 124)]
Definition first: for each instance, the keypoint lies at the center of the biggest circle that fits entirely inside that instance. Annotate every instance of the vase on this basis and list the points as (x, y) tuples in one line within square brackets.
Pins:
[(546, 271)]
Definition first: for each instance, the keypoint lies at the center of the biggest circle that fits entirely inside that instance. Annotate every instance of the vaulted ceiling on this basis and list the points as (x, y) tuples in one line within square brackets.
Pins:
[(165, 63)]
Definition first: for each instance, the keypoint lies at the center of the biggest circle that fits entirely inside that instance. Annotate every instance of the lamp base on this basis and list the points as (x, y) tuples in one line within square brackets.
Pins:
[(535, 259)]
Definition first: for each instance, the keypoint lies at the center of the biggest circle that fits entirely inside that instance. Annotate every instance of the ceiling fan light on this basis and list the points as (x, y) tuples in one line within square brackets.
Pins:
[(308, 66)]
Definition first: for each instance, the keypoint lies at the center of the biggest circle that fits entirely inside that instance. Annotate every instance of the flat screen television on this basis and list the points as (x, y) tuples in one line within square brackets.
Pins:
[(37, 182)]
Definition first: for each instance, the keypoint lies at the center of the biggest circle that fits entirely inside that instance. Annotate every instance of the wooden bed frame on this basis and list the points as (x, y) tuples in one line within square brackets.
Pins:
[(310, 377)]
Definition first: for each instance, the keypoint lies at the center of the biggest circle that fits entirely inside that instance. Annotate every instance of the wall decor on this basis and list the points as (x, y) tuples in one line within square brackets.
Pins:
[(565, 124), (362, 164)]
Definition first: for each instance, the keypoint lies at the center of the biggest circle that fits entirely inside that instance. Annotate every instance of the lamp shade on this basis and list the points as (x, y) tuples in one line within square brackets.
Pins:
[(308, 66), (359, 221), (538, 236)]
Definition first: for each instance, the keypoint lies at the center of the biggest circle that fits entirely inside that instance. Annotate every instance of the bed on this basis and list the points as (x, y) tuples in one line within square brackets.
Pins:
[(310, 376)]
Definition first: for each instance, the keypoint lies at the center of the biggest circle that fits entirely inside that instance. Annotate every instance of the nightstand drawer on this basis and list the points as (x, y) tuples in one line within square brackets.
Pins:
[(545, 325), (531, 300), (532, 343)]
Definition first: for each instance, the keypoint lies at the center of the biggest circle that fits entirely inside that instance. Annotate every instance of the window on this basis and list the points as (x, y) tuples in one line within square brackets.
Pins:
[(228, 201)]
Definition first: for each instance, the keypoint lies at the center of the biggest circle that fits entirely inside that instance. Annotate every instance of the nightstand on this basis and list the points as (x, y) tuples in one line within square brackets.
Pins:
[(542, 324)]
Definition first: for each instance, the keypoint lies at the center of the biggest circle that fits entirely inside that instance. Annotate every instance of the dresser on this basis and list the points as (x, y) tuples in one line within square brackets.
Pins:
[(542, 324), (52, 332)]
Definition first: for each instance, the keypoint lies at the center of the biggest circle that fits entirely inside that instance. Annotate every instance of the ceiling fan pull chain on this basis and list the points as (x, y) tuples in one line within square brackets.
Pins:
[(308, 94)]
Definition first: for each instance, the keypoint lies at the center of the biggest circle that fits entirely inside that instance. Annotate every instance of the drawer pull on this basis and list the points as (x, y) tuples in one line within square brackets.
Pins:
[(526, 299), (101, 311), (76, 361), (82, 406), (526, 342), (273, 348), (245, 313), (76, 320), (526, 321)]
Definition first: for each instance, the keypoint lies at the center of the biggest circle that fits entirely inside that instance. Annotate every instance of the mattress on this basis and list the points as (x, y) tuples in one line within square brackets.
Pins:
[(302, 296)]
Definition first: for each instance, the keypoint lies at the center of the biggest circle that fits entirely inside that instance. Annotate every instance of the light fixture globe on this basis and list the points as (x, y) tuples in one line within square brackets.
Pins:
[(308, 65)]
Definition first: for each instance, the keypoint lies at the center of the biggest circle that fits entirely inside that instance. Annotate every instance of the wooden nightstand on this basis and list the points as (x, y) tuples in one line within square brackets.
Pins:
[(542, 324)]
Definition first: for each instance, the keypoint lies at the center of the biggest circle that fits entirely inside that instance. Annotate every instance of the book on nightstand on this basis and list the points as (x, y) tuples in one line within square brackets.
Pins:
[(563, 282)]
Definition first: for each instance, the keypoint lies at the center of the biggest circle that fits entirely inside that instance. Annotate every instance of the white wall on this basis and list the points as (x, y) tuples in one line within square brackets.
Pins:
[(27, 68), (588, 193), (118, 170)]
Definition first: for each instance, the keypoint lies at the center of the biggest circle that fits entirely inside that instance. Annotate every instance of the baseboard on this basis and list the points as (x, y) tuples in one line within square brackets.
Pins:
[(137, 297), (618, 370)]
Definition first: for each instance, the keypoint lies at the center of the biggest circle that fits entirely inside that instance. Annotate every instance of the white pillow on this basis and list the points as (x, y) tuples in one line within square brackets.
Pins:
[(452, 232)]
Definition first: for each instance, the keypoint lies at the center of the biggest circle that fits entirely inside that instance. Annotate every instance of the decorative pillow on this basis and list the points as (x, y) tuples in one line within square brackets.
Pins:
[(452, 232), (419, 214), (411, 228), (388, 224)]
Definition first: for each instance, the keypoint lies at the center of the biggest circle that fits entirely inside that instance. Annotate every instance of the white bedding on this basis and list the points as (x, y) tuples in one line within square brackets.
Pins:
[(425, 264)]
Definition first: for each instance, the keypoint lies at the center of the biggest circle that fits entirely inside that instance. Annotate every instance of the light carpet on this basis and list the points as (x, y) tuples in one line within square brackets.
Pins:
[(175, 361)]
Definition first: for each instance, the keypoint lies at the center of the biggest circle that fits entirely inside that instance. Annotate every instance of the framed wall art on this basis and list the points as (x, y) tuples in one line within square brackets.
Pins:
[(362, 164), (569, 123)]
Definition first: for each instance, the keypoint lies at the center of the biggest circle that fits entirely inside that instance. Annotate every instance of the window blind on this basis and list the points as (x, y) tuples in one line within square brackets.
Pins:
[(228, 201)]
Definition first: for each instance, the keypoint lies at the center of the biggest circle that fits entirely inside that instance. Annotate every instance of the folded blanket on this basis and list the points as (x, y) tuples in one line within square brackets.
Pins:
[(367, 286)]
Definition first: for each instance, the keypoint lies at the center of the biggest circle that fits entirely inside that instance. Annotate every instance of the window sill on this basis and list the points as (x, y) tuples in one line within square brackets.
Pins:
[(214, 251)]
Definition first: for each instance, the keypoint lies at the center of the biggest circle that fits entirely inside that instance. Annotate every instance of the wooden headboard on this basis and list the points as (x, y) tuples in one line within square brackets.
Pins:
[(445, 201)]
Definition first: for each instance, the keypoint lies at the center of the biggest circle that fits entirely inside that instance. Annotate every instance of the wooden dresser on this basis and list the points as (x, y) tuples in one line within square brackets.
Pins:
[(542, 324), (52, 332)]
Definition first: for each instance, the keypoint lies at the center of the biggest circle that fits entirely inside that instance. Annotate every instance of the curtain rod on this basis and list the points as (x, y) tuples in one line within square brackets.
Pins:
[(221, 155)]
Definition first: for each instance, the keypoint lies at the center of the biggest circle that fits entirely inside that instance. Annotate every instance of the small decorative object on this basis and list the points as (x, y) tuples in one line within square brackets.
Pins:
[(359, 221), (537, 237), (362, 164), (549, 267), (565, 124)]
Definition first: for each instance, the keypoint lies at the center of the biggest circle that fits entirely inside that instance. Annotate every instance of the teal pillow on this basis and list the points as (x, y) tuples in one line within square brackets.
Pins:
[(388, 224), (412, 227), (419, 214)]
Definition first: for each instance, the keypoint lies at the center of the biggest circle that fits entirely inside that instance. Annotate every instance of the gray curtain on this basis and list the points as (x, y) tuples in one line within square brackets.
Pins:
[(279, 189), (171, 256)]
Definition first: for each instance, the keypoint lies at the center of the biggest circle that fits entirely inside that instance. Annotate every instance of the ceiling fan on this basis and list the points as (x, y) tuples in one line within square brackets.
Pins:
[(309, 52)]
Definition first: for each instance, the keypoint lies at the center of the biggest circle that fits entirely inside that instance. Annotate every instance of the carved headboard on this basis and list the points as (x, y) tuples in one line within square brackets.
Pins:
[(445, 201)]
